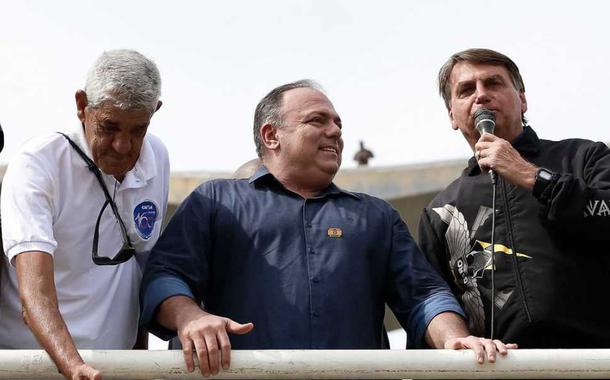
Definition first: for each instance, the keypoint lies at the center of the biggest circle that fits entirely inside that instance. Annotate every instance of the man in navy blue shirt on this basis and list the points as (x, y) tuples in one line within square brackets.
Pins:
[(307, 263)]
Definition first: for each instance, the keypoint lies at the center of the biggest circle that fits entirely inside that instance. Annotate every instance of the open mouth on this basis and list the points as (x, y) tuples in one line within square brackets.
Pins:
[(330, 149)]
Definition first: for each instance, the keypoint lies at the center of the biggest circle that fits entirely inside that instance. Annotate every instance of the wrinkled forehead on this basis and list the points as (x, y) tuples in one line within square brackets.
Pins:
[(112, 112), (465, 71), (305, 100)]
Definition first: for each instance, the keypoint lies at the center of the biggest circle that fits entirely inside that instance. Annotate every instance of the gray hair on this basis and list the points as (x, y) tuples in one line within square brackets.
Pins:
[(126, 79), (268, 110)]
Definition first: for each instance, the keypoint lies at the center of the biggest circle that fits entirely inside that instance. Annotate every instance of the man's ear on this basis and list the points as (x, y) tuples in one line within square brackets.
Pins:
[(269, 137), (81, 104), (454, 125), (523, 102)]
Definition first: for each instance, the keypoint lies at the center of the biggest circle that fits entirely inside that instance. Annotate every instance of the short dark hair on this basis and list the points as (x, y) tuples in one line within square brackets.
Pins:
[(485, 56), (268, 110)]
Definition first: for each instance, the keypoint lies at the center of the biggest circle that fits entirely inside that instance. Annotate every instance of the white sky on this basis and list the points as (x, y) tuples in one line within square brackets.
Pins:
[(377, 60)]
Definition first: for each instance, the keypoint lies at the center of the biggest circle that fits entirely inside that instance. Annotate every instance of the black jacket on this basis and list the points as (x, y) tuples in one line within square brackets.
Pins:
[(552, 254)]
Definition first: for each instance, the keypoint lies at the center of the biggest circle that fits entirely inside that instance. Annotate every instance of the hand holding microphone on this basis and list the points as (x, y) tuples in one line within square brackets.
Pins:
[(498, 156)]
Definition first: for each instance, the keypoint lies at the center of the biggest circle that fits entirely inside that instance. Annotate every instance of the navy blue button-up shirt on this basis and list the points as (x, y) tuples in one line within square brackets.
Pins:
[(310, 273)]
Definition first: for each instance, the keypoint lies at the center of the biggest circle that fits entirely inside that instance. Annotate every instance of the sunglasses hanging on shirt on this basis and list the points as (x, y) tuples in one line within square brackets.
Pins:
[(127, 251)]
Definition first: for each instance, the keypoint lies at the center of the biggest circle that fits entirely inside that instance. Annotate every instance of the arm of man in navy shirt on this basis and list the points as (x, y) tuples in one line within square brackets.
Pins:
[(174, 284), (424, 304)]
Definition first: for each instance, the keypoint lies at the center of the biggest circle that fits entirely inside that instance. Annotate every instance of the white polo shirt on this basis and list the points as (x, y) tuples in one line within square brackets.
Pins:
[(50, 202)]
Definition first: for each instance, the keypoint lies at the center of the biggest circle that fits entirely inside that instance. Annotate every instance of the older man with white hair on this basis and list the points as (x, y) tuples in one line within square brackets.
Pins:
[(78, 210)]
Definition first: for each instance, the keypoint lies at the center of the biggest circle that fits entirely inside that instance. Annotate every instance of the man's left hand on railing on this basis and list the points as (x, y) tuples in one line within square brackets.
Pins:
[(481, 346), (448, 330)]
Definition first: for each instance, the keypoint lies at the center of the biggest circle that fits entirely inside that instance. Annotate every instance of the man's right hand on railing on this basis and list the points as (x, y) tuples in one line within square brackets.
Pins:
[(201, 333), (208, 336)]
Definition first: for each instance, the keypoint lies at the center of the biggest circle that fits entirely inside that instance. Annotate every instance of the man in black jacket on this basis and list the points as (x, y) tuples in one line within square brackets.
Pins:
[(552, 220)]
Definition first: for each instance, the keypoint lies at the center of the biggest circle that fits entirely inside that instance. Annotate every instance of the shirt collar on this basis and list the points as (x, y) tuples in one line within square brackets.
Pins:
[(144, 169), (526, 143), (262, 172), (146, 166), (77, 134)]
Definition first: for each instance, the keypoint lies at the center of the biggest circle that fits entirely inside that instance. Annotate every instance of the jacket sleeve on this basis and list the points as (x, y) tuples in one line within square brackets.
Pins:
[(581, 196)]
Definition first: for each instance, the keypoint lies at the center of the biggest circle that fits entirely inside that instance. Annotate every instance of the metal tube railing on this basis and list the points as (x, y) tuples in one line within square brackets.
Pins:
[(325, 364)]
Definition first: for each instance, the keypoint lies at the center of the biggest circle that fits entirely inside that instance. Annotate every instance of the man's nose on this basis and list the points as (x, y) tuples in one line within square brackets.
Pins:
[(122, 144), (334, 130), (482, 94)]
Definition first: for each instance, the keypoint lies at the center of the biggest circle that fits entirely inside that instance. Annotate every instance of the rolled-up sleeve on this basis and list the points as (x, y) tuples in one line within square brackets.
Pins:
[(425, 311), (158, 290), (416, 292)]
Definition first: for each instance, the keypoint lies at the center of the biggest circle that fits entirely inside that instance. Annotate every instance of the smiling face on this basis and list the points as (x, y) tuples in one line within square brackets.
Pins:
[(114, 135), (474, 86), (309, 143)]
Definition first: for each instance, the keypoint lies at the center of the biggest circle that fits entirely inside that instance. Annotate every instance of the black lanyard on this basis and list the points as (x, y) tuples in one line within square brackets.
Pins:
[(127, 251)]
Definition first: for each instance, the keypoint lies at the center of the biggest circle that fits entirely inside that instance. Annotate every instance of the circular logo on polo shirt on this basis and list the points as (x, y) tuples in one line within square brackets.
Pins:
[(145, 216)]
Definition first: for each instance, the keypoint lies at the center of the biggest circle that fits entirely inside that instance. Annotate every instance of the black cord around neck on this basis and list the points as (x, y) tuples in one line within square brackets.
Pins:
[(493, 253), (98, 174)]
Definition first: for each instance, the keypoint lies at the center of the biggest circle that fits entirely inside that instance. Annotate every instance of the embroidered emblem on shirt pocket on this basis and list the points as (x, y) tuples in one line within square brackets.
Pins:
[(145, 216), (335, 232)]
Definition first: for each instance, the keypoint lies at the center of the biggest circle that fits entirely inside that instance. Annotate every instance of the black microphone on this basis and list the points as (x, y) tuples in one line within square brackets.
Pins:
[(1, 139), (485, 121)]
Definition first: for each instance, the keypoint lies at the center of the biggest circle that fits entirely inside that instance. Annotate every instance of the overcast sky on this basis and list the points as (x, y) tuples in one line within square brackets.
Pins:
[(377, 60)]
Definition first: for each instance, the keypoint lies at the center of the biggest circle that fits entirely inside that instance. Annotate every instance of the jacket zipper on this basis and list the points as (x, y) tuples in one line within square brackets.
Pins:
[(517, 273)]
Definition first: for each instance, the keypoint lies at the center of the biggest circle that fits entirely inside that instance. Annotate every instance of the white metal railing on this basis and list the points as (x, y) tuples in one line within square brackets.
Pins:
[(325, 364)]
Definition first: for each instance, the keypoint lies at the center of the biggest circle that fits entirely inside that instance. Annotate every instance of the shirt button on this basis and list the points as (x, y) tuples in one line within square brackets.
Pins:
[(312, 252), (315, 314), (315, 279), (308, 225)]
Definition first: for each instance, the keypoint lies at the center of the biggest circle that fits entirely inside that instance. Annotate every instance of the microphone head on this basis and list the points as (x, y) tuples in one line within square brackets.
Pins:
[(485, 121), (1, 139)]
